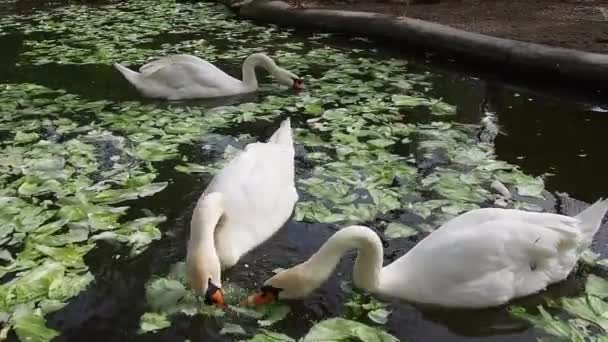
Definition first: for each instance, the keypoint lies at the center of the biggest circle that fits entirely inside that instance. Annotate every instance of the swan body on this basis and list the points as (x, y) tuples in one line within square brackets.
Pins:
[(482, 258), (245, 204), (181, 77)]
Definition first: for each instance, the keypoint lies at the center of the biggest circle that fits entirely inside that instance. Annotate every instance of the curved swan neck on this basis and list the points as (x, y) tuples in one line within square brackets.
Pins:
[(202, 261), (205, 218), (251, 62), (368, 266)]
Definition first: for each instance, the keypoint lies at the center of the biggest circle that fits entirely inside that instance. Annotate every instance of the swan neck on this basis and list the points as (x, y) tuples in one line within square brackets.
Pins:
[(257, 59), (368, 265), (205, 219)]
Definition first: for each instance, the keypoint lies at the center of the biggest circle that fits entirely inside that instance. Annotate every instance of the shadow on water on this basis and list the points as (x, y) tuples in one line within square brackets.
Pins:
[(546, 131)]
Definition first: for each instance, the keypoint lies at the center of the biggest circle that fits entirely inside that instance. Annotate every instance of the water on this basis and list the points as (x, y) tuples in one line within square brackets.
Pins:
[(544, 132)]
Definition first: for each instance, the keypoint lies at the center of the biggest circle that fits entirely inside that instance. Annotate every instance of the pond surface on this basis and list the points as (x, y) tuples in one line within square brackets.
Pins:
[(92, 174)]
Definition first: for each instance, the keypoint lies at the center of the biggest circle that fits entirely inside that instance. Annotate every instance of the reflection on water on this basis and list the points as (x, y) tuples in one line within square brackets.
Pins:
[(555, 136), (543, 134)]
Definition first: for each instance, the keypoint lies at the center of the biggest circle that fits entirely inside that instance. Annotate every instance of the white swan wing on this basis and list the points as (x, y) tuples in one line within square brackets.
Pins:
[(254, 182), (486, 264), (477, 217), (188, 76), (162, 62), (259, 196)]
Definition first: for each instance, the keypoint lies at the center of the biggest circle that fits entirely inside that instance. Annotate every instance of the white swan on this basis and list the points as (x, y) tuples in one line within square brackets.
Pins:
[(482, 258), (244, 205), (180, 77)]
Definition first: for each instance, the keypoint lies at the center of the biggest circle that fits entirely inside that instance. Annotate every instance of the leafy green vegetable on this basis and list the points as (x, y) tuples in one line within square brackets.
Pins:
[(151, 321), (550, 324), (379, 316), (362, 304), (22, 137), (193, 168), (597, 286), (269, 336), (62, 289), (274, 313), (591, 309), (410, 101), (32, 327), (526, 185), (340, 329), (450, 186), (70, 256), (115, 196), (588, 312), (232, 329), (31, 286), (163, 294), (396, 230)]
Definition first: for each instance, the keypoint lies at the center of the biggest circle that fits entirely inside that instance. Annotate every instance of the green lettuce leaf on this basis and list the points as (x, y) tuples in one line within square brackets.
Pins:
[(340, 329), (151, 321)]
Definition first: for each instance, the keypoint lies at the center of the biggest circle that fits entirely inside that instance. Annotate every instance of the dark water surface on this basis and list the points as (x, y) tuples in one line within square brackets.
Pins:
[(544, 132)]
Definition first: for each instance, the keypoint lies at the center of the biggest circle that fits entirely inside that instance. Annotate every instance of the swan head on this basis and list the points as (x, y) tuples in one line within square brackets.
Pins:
[(288, 78), (293, 283), (213, 294), (204, 277)]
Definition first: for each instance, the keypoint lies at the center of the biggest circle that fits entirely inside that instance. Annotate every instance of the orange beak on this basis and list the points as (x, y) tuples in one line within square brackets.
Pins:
[(258, 299), (217, 298)]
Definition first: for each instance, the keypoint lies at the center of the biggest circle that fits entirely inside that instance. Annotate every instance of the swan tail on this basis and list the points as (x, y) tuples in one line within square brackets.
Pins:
[(129, 74), (283, 135), (591, 220)]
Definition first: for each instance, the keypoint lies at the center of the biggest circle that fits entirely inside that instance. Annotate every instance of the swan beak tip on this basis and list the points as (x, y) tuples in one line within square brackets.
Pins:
[(258, 299)]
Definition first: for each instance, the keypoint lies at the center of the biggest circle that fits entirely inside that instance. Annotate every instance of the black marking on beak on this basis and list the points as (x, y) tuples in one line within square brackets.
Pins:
[(211, 288), (269, 289)]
